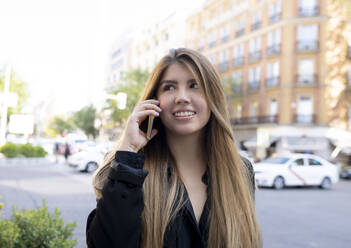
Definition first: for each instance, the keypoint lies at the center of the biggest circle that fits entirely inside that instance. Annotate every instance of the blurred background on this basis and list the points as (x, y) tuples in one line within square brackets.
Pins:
[(72, 71)]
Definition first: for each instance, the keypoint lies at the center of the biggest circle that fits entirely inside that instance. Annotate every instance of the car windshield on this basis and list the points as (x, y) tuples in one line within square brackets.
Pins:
[(276, 160)]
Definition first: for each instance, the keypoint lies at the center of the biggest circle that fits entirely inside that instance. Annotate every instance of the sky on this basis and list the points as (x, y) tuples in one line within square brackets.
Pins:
[(61, 47)]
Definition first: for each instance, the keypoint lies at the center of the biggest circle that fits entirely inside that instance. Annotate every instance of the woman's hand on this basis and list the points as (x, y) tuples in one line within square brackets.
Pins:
[(133, 138)]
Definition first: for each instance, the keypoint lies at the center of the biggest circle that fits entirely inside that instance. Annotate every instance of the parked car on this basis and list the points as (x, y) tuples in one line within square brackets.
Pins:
[(87, 160), (296, 170), (346, 172)]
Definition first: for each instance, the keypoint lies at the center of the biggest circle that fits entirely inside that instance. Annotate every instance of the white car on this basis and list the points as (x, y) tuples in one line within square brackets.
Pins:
[(86, 161), (296, 170)]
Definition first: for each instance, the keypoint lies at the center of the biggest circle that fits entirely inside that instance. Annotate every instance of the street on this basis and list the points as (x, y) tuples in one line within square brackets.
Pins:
[(288, 218)]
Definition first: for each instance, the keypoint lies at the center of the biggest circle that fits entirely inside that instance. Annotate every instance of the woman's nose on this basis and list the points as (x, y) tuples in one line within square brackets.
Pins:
[(182, 96)]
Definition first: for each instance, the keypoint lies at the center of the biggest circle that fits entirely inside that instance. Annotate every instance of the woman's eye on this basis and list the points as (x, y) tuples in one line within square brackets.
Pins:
[(194, 85), (168, 87)]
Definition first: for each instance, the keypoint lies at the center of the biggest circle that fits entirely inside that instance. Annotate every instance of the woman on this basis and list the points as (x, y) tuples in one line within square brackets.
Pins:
[(187, 186)]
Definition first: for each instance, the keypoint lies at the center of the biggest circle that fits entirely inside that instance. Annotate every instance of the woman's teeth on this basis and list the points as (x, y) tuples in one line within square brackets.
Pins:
[(184, 113)]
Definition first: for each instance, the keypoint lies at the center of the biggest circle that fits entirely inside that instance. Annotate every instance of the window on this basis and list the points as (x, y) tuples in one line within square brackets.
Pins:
[(240, 30), (255, 49), (238, 110), (254, 109), (273, 107), (274, 37), (225, 33), (306, 71), (273, 42), (273, 69), (254, 78), (275, 11), (237, 77), (223, 60), (273, 74), (256, 21), (212, 59), (298, 162), (201, 45), (307, 37), (238, 58), (308, 8), (314, 162), (304, 110), (212, 39)]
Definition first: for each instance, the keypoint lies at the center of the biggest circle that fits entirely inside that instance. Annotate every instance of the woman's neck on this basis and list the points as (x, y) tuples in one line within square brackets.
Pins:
[(188, 153)]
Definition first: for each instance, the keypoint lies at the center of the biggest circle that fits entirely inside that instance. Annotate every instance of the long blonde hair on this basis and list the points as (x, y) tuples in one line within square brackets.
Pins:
[(232, 219)]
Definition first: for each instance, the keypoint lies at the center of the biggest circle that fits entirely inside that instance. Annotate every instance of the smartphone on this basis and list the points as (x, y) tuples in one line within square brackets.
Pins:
[(149, 126)]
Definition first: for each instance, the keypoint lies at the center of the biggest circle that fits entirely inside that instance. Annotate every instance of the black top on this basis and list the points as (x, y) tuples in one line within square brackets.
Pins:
[(116, 220)]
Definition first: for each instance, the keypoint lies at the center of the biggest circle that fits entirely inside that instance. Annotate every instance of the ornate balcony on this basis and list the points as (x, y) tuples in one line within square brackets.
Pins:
[(272, 82), (307, 12), (307, 46), (262, 119), (237, 88), (239, 32), (254, 56), (238, 61), (225, 38), (223, 66), (306, 79), (275, 17), (212, 44), (254, 86), (304, 119), (255, 26), (273, 50)]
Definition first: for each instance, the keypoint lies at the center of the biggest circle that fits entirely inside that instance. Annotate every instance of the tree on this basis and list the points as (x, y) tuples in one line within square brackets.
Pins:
[(132, 84), (339, 12), (59, 125), (84, 119), (17, 86)]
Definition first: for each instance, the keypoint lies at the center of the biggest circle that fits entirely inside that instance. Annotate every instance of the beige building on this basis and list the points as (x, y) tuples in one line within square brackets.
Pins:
[(285, 65)]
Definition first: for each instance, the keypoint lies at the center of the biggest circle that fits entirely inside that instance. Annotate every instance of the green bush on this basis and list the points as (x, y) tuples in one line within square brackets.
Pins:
[(10, 150), (36, 228), (39, 152)]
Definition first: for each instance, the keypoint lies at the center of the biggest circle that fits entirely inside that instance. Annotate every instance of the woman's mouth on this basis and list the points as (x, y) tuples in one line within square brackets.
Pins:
[(184, 115)]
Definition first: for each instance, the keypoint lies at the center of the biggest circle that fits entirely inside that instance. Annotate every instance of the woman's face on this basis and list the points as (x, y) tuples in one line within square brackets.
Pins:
[(184, 107)]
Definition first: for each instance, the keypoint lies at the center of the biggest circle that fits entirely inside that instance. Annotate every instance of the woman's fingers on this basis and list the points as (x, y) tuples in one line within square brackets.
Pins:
[(141, 115), (146, 106)]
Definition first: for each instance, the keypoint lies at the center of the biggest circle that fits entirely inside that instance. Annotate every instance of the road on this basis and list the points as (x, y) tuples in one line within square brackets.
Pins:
[(289, 218)]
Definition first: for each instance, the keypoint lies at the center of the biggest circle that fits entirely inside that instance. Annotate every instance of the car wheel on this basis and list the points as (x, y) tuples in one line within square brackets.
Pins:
[(326, 183), (91, 166), (278, 182)]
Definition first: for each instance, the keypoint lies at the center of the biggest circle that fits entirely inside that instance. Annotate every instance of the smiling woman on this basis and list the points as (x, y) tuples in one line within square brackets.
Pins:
[(187, 186)]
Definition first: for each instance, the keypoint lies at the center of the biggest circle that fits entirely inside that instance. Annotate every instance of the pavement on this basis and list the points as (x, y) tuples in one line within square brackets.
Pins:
[(289, 218)]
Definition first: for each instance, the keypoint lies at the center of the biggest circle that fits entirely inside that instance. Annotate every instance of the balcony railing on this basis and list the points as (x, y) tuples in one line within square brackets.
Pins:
[(349, 52), (238, 61), (223, 66), (212, 44), (254, 56), (307, 79), (272, 82), (255, 120), (239, 32), (254, 86), (255, 26), (306, 12), (225, 38), (274, 18), (237, 88), (307, 46), (273, 50), (304, 119)]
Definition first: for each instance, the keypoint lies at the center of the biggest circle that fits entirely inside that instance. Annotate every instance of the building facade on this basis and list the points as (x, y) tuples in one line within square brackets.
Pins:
[(285, 65)]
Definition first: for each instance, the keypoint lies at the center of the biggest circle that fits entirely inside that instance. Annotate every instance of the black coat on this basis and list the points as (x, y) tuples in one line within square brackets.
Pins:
[(116, 220)]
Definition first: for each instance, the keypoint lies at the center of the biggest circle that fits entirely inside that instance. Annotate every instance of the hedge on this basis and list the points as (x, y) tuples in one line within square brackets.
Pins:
[(11, 150), (36, 228)]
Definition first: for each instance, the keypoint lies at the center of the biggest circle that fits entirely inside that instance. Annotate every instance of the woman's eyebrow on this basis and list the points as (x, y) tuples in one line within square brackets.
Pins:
[(175, 81)]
